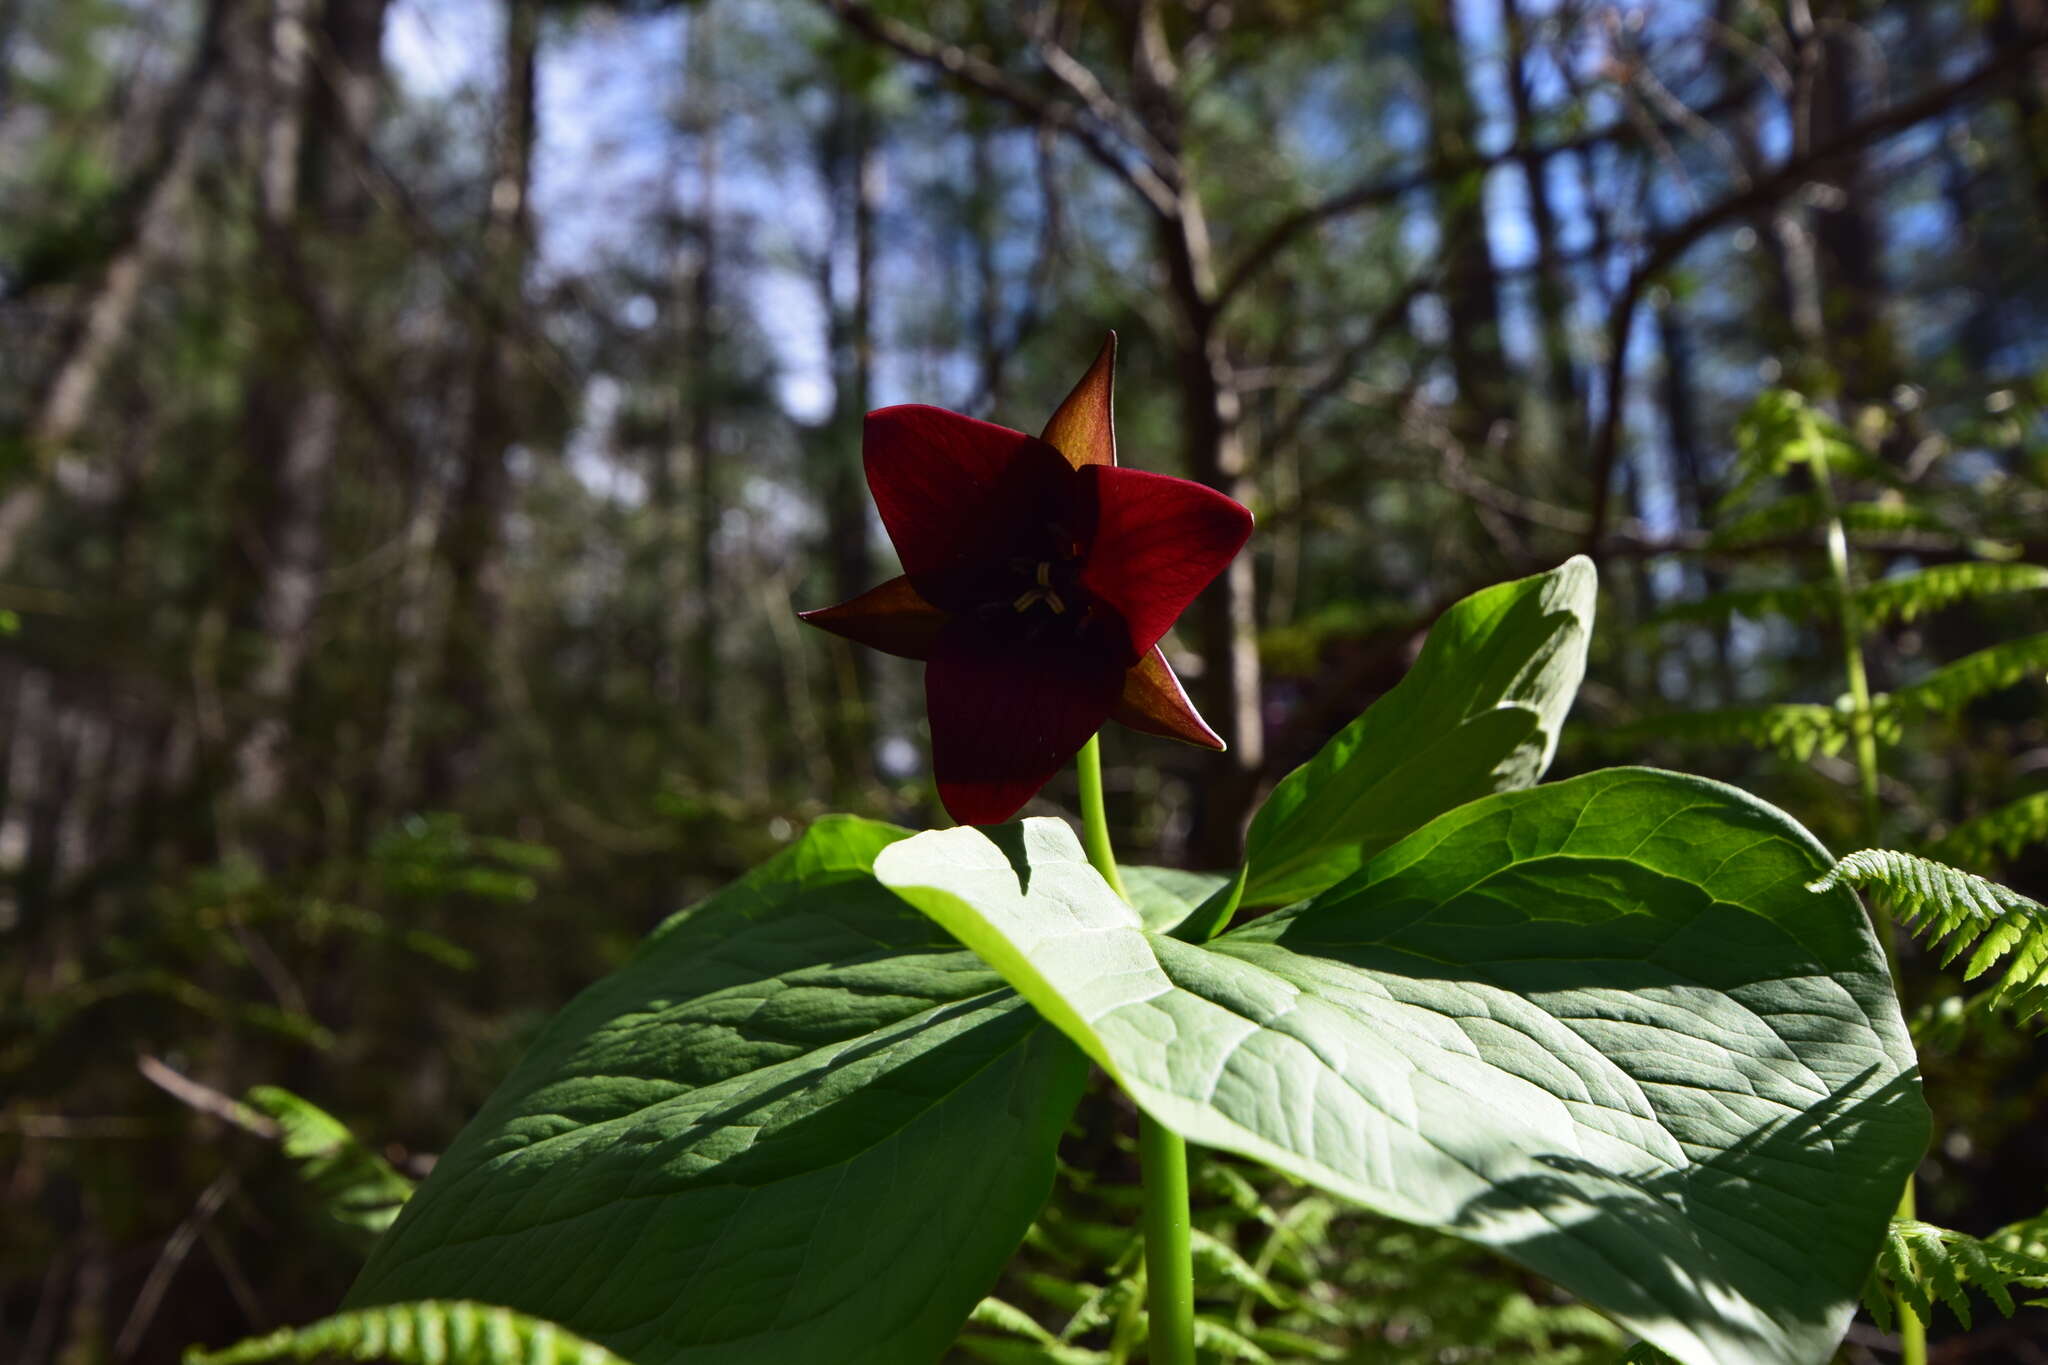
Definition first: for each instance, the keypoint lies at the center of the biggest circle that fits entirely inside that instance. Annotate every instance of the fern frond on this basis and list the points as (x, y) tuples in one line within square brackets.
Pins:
[(1960, 912), (1797, 512), (1226, 1342), (1010, 1351), (1298, 1346), (1946, 1024), (1997, 834), (1922, 1265), (1782, 429), (1007, 1317), (2028, 1237), (429, 1332), (1890, 517), (358, 1188), (1908, 595), (1217, 1262), (1953, 686), (1794, 729), (1786, 516), (1643, 1353), (1796, 600)]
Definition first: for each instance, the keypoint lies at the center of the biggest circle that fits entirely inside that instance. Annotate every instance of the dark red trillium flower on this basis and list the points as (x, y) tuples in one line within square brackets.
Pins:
[(1038, 576)]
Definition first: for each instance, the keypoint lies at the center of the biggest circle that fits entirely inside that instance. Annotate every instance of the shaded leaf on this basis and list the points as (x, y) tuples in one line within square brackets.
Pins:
[(711, 1155), (1478, 713), (1582, 1024)]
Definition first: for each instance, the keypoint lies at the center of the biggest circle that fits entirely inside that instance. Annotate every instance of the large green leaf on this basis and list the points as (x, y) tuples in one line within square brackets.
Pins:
[(1478, 713), (800, 1124), (1600, 1026)]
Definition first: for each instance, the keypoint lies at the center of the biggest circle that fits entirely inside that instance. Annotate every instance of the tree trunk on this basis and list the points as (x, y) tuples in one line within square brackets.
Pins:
[(704, 386), (291, 416), (1226, 616), (1689, 461), (95, 328), (1553, 295), (1862, 349), (1485, 390), (2013, 22), (852, 175), (471, 643)]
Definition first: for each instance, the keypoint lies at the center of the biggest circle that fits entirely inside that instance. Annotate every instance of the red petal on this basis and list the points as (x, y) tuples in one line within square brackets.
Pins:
[(1084, 430), (1006, 714), (893, 618), (1158, 542), (955, 492), (1153, 701)]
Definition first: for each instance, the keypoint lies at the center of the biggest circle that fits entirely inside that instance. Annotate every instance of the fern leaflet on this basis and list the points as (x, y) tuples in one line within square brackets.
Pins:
[(1908, 595), (1974, 914), (1795, 729), (1798, 512), (1923, 1265), (428, 1332), (1953, 686), (2001, 833), (358, 1188), (1793, 600)]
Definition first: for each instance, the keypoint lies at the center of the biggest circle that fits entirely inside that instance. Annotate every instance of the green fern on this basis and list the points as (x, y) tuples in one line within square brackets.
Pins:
[(1223, 1342), (1007, 1317), (1905, 596), (1012, 1351), (429, 1332), (1950, 688), (1794, 600), (1782, 429), (1961, 912), (1787, 516), (1998, 834), (1902, 597), (1944, 1025), (1798, 512), (1794, 729), (1921, 1265), (2028, 1237), (358, 1188)]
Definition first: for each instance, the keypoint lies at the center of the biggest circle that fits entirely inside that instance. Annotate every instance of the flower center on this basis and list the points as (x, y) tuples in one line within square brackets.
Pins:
[(1033, 594), (1042, 589)]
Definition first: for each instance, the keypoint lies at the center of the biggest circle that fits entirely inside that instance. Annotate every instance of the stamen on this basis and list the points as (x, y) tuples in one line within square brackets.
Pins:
[(1045, 576), (1052, 599), (1027, 597)]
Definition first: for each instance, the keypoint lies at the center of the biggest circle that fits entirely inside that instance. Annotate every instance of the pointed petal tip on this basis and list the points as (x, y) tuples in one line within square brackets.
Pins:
[(892, 617), (1083, 428), (1154, 703)]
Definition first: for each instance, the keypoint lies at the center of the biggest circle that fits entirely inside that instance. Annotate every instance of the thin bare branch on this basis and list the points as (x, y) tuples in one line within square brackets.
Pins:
[(977, 73), (1666, 249), (205, 1098), (1380, 192)]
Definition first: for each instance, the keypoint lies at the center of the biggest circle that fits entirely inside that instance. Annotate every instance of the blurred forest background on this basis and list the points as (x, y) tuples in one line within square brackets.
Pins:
[(420, 418)]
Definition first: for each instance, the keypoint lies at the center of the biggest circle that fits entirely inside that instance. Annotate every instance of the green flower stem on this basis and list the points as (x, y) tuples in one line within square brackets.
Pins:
[(1162, 1156), (1095, 824), (1169, 1259), (1863, 729)]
